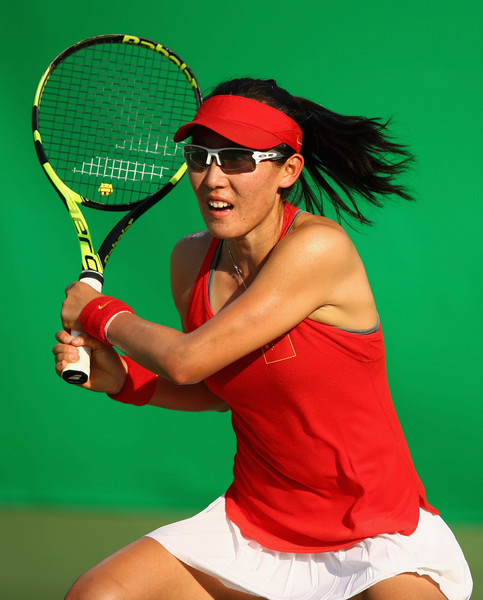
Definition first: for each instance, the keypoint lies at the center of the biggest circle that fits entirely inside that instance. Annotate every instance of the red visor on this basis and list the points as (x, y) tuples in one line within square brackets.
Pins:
[(246, 122)]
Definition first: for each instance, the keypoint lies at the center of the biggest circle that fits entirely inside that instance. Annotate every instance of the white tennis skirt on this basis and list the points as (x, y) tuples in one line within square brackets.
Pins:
[(211, 543)]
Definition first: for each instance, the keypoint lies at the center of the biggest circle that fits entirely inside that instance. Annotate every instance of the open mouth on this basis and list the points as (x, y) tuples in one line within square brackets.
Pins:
[(219, 205)]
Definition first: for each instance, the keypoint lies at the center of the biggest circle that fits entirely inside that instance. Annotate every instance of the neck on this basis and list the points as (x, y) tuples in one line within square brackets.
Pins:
[(236, 268), (247, 254)]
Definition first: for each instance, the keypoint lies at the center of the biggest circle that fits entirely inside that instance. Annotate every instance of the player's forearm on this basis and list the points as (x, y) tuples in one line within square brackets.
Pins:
[(194, 398), (163, 350)]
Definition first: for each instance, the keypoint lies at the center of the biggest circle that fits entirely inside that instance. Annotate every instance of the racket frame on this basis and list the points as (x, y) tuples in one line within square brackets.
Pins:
[(93, 263)]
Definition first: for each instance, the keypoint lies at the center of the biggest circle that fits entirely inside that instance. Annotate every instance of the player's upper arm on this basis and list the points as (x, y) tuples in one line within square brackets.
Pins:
[(303, 273)]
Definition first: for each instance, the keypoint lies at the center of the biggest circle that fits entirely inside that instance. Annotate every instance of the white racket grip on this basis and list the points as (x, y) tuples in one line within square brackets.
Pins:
[(79, 372)]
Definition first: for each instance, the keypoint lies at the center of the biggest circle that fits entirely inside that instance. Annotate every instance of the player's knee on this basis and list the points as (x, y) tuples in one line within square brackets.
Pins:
[(91, 587)]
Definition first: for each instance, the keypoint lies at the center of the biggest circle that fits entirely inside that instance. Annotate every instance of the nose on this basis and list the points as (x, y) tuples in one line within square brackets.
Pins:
[(214, 176)]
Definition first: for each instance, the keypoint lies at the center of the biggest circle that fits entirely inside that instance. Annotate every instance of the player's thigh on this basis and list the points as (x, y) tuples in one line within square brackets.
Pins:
[(403, 587), (145, 570)]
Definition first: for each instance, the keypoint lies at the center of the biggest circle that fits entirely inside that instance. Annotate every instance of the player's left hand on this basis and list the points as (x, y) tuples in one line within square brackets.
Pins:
[(108, 371)]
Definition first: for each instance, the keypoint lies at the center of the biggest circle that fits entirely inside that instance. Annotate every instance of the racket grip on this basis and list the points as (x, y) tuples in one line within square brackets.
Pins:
[(79, 372)]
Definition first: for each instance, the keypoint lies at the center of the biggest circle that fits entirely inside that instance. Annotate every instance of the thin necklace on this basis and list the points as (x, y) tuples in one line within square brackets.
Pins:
[(235, 266)]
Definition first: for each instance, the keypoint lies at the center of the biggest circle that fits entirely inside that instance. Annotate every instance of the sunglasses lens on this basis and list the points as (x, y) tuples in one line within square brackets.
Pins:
[(237, 161), (195, 158)]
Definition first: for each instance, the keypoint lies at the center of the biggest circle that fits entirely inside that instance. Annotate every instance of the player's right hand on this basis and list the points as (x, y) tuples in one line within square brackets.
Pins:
[(108, 371)]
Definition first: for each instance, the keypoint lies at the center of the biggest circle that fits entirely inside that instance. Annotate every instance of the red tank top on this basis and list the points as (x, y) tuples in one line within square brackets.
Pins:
[(321, 460)]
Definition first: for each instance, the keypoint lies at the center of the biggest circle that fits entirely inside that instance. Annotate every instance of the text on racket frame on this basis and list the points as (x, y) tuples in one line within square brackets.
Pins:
[(183, 67)]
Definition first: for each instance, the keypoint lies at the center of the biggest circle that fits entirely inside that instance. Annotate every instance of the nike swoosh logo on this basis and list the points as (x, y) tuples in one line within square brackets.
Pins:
[(104, 305)]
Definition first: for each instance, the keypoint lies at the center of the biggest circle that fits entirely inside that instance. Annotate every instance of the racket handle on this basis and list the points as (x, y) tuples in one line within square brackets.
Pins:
[(79, 372)]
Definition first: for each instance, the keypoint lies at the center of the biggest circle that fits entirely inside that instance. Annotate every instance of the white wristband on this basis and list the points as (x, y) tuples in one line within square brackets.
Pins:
[(111, 320)]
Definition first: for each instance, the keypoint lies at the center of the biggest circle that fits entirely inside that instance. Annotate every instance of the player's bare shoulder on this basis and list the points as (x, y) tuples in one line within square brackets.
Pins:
[(190, 246), (186, 260), (319, 236), (323, 253)]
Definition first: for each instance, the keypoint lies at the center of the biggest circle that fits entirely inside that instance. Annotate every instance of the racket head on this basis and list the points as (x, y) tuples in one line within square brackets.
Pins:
[(104, 116)]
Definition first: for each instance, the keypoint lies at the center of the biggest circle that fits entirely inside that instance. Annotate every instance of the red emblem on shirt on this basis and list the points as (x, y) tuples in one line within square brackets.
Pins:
[(280, 349)]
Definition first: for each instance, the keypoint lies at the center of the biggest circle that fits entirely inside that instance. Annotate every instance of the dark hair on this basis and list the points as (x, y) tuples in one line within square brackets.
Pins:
[(355, 154)]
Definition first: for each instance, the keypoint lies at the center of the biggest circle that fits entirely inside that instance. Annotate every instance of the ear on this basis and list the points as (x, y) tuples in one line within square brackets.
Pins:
[(291, 170)]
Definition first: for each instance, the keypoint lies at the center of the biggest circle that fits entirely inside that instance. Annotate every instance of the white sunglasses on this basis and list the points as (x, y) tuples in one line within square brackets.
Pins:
[(230, 160)]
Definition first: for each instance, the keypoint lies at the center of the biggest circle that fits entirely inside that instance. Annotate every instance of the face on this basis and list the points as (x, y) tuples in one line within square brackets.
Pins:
[(235, 204)]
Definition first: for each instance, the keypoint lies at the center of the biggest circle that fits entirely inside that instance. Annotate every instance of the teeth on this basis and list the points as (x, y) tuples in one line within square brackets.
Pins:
[(219, 204)]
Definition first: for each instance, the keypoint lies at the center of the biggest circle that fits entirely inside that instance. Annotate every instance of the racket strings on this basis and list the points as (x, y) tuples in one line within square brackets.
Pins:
[(150, 132), (107, 117)]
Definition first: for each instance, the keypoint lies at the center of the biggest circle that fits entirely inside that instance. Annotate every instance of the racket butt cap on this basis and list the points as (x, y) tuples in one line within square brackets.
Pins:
[(74, 377)]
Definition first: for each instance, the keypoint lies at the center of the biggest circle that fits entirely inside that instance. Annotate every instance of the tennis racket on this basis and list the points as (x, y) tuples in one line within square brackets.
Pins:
[(104, 115)]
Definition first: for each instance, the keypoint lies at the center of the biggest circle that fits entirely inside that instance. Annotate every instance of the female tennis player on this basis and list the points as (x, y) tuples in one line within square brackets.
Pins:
[(280, 327)]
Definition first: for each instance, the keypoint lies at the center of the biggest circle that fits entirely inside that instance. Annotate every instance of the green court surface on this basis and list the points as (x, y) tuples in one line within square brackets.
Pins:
[(43, 552)]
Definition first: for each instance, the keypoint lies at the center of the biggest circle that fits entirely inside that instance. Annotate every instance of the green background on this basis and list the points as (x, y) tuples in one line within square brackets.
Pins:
[(79, 473)]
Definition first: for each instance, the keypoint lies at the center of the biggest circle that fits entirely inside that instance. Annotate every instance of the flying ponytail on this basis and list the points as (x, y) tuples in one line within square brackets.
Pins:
[(346, 158)]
